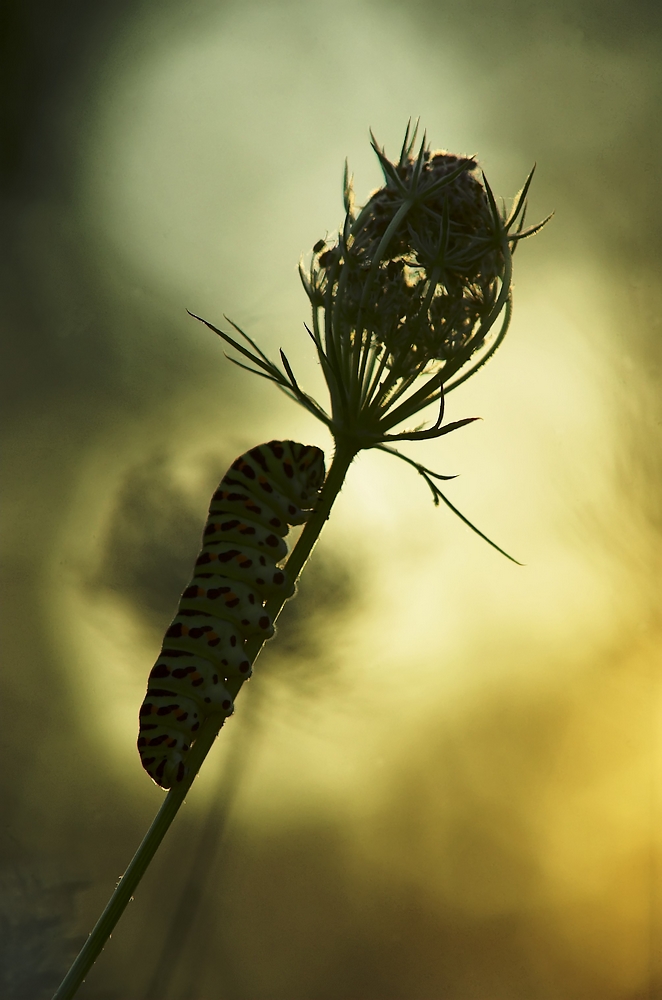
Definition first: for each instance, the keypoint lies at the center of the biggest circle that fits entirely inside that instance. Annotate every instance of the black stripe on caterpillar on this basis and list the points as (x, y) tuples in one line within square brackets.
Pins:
[(263, 492)]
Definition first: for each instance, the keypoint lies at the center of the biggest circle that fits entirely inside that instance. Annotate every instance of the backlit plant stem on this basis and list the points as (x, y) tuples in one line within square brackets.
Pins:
[(412, 289), (344, 454)]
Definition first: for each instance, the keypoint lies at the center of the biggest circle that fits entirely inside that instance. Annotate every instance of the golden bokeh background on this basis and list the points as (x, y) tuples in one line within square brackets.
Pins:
[(444, 778)]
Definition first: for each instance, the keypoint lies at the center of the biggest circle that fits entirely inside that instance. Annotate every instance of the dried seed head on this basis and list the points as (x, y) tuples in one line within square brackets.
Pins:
[(417, 283), (421, 265), (462, 198)]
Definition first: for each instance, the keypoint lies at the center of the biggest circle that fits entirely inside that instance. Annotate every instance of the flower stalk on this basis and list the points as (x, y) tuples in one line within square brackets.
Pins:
[(408, 301), (203, 744)]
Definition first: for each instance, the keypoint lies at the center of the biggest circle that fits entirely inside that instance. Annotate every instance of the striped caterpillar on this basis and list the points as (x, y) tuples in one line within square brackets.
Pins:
[(263, 492)]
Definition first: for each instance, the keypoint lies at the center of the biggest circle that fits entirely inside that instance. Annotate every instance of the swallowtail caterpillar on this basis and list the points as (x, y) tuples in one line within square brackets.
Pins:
[(263, 492)]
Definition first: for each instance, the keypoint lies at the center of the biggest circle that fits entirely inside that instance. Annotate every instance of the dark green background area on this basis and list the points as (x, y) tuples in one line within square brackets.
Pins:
[(98, 354)]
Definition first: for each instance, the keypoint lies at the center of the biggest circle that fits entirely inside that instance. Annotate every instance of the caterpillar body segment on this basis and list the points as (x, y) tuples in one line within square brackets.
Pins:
[(242, 531), (236, 499), (227, 598), (247, 566), (201, 634), (192, 677), (265, 491)]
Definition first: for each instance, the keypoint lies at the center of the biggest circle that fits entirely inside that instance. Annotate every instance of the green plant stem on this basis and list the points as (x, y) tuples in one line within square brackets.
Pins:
[(344, 454)]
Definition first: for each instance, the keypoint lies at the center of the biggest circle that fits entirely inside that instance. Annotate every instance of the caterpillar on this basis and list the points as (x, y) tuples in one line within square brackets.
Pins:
[(264, 491)]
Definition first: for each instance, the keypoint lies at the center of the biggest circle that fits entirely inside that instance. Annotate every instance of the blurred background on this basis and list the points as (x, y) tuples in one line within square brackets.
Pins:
[(444, 778)]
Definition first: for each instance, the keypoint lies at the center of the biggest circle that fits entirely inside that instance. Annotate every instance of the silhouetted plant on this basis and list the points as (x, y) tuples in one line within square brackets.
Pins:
[(409, 300)]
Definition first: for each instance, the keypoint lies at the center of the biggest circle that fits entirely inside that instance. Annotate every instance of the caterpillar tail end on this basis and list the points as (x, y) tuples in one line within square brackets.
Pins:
[(164, 771), (173, 772)]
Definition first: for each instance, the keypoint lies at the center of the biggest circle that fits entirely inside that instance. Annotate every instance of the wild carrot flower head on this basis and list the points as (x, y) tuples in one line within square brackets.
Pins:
[(418, 268), (409, 299)]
